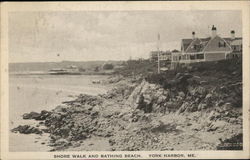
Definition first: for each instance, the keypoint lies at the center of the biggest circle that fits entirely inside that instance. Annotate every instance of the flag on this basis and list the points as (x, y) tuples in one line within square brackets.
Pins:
[(159, 36)]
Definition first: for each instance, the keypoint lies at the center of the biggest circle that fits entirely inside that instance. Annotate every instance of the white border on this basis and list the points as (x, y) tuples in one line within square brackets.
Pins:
[(122, 6)]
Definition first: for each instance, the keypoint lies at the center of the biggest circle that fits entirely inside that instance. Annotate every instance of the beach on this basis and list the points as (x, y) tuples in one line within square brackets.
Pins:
[(29, 93)]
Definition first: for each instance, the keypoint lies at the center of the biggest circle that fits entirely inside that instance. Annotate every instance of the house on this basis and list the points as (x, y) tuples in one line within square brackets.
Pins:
[(163, 55), (212, 48)]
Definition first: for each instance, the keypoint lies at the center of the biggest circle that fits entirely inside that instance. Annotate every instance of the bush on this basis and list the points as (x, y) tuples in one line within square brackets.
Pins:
[(137, 67), (108, 66)]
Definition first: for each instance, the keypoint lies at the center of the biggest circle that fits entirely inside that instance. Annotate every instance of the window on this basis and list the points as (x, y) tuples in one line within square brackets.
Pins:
[(192, 57), (200, 56), (234, 48)]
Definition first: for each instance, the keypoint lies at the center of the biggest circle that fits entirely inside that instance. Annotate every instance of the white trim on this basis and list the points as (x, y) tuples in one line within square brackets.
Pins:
[(193, 53), (218, 52)]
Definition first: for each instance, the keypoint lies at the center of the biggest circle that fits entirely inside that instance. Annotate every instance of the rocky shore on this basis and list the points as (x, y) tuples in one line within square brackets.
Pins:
[(191, 112)]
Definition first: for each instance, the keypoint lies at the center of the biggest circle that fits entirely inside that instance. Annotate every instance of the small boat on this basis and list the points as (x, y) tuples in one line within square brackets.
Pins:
[(58, 71)]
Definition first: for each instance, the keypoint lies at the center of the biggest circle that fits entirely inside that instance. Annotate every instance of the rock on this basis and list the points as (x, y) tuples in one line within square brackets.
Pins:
[(76, 145), (203, 82), (233, 120), (43, 115), (31, 115), (202, 106), (214, 115), (196, 127), (161, 99), (183, 107), (26, 129), (182, 76), (235, 142), (61, 108), (107, 114), (208, 96), (216, 125), (181, 94), (227, 106), (179, 128), (41, 122), (37, 116), (61, 142)]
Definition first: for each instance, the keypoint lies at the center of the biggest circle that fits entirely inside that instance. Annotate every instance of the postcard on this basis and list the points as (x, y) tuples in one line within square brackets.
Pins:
[(125, 80)]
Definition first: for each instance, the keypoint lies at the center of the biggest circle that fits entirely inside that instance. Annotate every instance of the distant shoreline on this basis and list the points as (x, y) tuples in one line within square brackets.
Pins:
[(57, 74)]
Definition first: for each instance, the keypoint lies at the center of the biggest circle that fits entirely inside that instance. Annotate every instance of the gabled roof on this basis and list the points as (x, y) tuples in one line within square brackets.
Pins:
[(212, 44), (187, 43), (192, 47)]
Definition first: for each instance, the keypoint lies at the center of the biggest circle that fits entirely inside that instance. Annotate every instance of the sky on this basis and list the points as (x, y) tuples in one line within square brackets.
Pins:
[(109, 35)]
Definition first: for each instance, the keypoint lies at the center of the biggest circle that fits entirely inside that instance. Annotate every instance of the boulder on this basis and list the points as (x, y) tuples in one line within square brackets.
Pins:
[(31, 115), (37, 116), (26, 129), (202, 106)]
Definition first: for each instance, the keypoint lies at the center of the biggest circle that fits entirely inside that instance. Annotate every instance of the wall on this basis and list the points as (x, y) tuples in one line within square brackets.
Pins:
[(214, 56)]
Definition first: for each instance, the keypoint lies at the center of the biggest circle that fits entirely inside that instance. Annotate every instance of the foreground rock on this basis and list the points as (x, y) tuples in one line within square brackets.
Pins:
[(26, 129), (37, 116)]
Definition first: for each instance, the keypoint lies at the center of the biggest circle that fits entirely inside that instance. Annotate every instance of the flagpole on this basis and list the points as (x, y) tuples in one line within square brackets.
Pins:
[(158, 49)]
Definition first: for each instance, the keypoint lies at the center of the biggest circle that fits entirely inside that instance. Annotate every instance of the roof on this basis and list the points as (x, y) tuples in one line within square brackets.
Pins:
[(186, 43), (192, 47), (236, 42), (229, 39), (204, 41)]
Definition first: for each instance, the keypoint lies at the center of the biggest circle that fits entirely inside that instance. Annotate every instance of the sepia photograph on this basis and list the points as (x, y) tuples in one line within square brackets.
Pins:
[(125, 80)]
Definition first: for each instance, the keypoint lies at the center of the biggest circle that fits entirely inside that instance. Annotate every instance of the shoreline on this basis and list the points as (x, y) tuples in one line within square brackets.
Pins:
[(21, 88), (188, 110), (95, 115), (59, 74)]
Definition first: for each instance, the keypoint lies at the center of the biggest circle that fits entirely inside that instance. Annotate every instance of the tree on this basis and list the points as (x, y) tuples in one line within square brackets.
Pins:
[(108, 66)]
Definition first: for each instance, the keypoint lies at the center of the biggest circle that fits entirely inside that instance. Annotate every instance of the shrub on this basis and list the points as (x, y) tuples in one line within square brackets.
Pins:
[(108, 66)]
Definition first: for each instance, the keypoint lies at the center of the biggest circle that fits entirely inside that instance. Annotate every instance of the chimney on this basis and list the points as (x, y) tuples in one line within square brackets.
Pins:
[(232, 34), (214, 31), (193, 35)]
